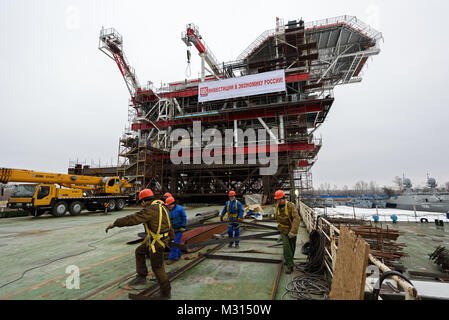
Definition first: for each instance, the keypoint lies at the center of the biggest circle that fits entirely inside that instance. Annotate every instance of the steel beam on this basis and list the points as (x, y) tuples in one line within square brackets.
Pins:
[(242, 258)]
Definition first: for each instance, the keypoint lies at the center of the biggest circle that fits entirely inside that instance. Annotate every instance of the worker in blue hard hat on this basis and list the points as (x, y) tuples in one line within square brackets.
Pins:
[(234, 210)]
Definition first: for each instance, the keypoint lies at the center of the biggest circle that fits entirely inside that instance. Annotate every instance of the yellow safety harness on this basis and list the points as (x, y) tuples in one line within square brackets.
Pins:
[(277, 213), (234, 215), (158, 236)]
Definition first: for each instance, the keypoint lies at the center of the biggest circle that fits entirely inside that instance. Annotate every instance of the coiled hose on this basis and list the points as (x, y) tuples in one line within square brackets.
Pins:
[(312, 283), (307, 287), (315, 250)]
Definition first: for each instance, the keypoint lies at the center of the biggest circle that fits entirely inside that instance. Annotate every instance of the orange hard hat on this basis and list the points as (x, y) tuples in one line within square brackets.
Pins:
[(167, 194), (279, 194), (231, 193), (145, 193), (169, 201)]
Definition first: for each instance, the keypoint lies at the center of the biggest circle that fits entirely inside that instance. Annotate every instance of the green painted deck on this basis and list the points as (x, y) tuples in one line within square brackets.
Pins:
[(107, 263), (421, 240)]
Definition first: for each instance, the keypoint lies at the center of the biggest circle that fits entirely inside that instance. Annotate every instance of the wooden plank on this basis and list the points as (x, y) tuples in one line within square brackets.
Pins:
[(348, 282)]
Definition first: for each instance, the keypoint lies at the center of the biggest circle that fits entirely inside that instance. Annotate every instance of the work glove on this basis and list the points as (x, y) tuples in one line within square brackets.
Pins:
[(291, 235), (182, 229), (110, 227), (221, 218)]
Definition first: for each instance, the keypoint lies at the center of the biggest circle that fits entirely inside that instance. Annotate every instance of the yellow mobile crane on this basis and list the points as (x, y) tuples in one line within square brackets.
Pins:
[(74, 193)]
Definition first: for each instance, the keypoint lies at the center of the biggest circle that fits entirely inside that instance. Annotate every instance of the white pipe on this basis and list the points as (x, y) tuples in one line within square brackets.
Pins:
[(281, 128), (236, 137), (269, 131), (203, 67)]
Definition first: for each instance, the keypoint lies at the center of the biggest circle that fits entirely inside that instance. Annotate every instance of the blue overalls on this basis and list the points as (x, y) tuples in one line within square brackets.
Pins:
[(178, 220), (234, 209)]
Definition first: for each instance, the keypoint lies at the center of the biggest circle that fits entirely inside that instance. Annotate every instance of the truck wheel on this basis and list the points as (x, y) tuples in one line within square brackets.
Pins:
[(112, 205), (120, 204), (60, 209), (75, 208)]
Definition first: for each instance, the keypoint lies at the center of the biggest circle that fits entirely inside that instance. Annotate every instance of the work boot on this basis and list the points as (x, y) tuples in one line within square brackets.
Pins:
[(138, 280), (237, 246), (161, 296), (165, 292), (289, 270), (230, 244)]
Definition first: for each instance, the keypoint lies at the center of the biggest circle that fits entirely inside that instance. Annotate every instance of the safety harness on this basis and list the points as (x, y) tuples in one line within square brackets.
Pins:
[(158, 236), (233, 215), (277, 213)]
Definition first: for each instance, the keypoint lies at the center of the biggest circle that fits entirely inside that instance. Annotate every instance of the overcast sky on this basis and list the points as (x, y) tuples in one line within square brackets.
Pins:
[(61, 98)]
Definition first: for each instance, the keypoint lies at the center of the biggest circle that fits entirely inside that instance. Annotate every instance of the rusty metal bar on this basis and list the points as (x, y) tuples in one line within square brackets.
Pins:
[(206, 235), (274, 289), (250, 224), (107, 286), (206, 243), (242, 258)]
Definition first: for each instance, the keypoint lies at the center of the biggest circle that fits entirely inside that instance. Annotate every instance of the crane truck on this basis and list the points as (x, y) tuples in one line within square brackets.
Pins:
[(58, 194)]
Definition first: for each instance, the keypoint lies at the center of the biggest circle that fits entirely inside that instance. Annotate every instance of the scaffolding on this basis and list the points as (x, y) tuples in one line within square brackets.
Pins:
[(315, 57)]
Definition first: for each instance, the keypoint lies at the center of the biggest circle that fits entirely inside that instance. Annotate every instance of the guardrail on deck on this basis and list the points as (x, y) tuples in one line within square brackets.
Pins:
[(331, 233)]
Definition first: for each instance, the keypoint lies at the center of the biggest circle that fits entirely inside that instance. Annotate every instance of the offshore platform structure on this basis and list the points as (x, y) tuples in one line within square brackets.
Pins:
[(310, 59)]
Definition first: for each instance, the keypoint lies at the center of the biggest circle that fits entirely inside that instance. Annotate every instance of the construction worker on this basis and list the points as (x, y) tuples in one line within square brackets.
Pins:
[(165, 196), (234, 209), (288, 221), (178, 220), (156, 220)]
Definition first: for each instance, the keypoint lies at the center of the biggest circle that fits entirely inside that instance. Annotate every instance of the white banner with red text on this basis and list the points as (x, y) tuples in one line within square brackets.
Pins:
[(254, 84)]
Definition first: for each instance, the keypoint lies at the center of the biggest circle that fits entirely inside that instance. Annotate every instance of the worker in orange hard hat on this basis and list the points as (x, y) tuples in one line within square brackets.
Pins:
[(234, 209), (178, 220), (288, 221), (156, 220), (279, 195), (165, 196)]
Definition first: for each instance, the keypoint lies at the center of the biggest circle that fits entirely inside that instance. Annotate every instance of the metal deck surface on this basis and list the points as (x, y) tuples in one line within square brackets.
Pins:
[(421, 240), (107, 263)]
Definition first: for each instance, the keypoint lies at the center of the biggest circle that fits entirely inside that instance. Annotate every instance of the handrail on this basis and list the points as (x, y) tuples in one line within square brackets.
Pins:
[(351, 21), (259, 40)]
